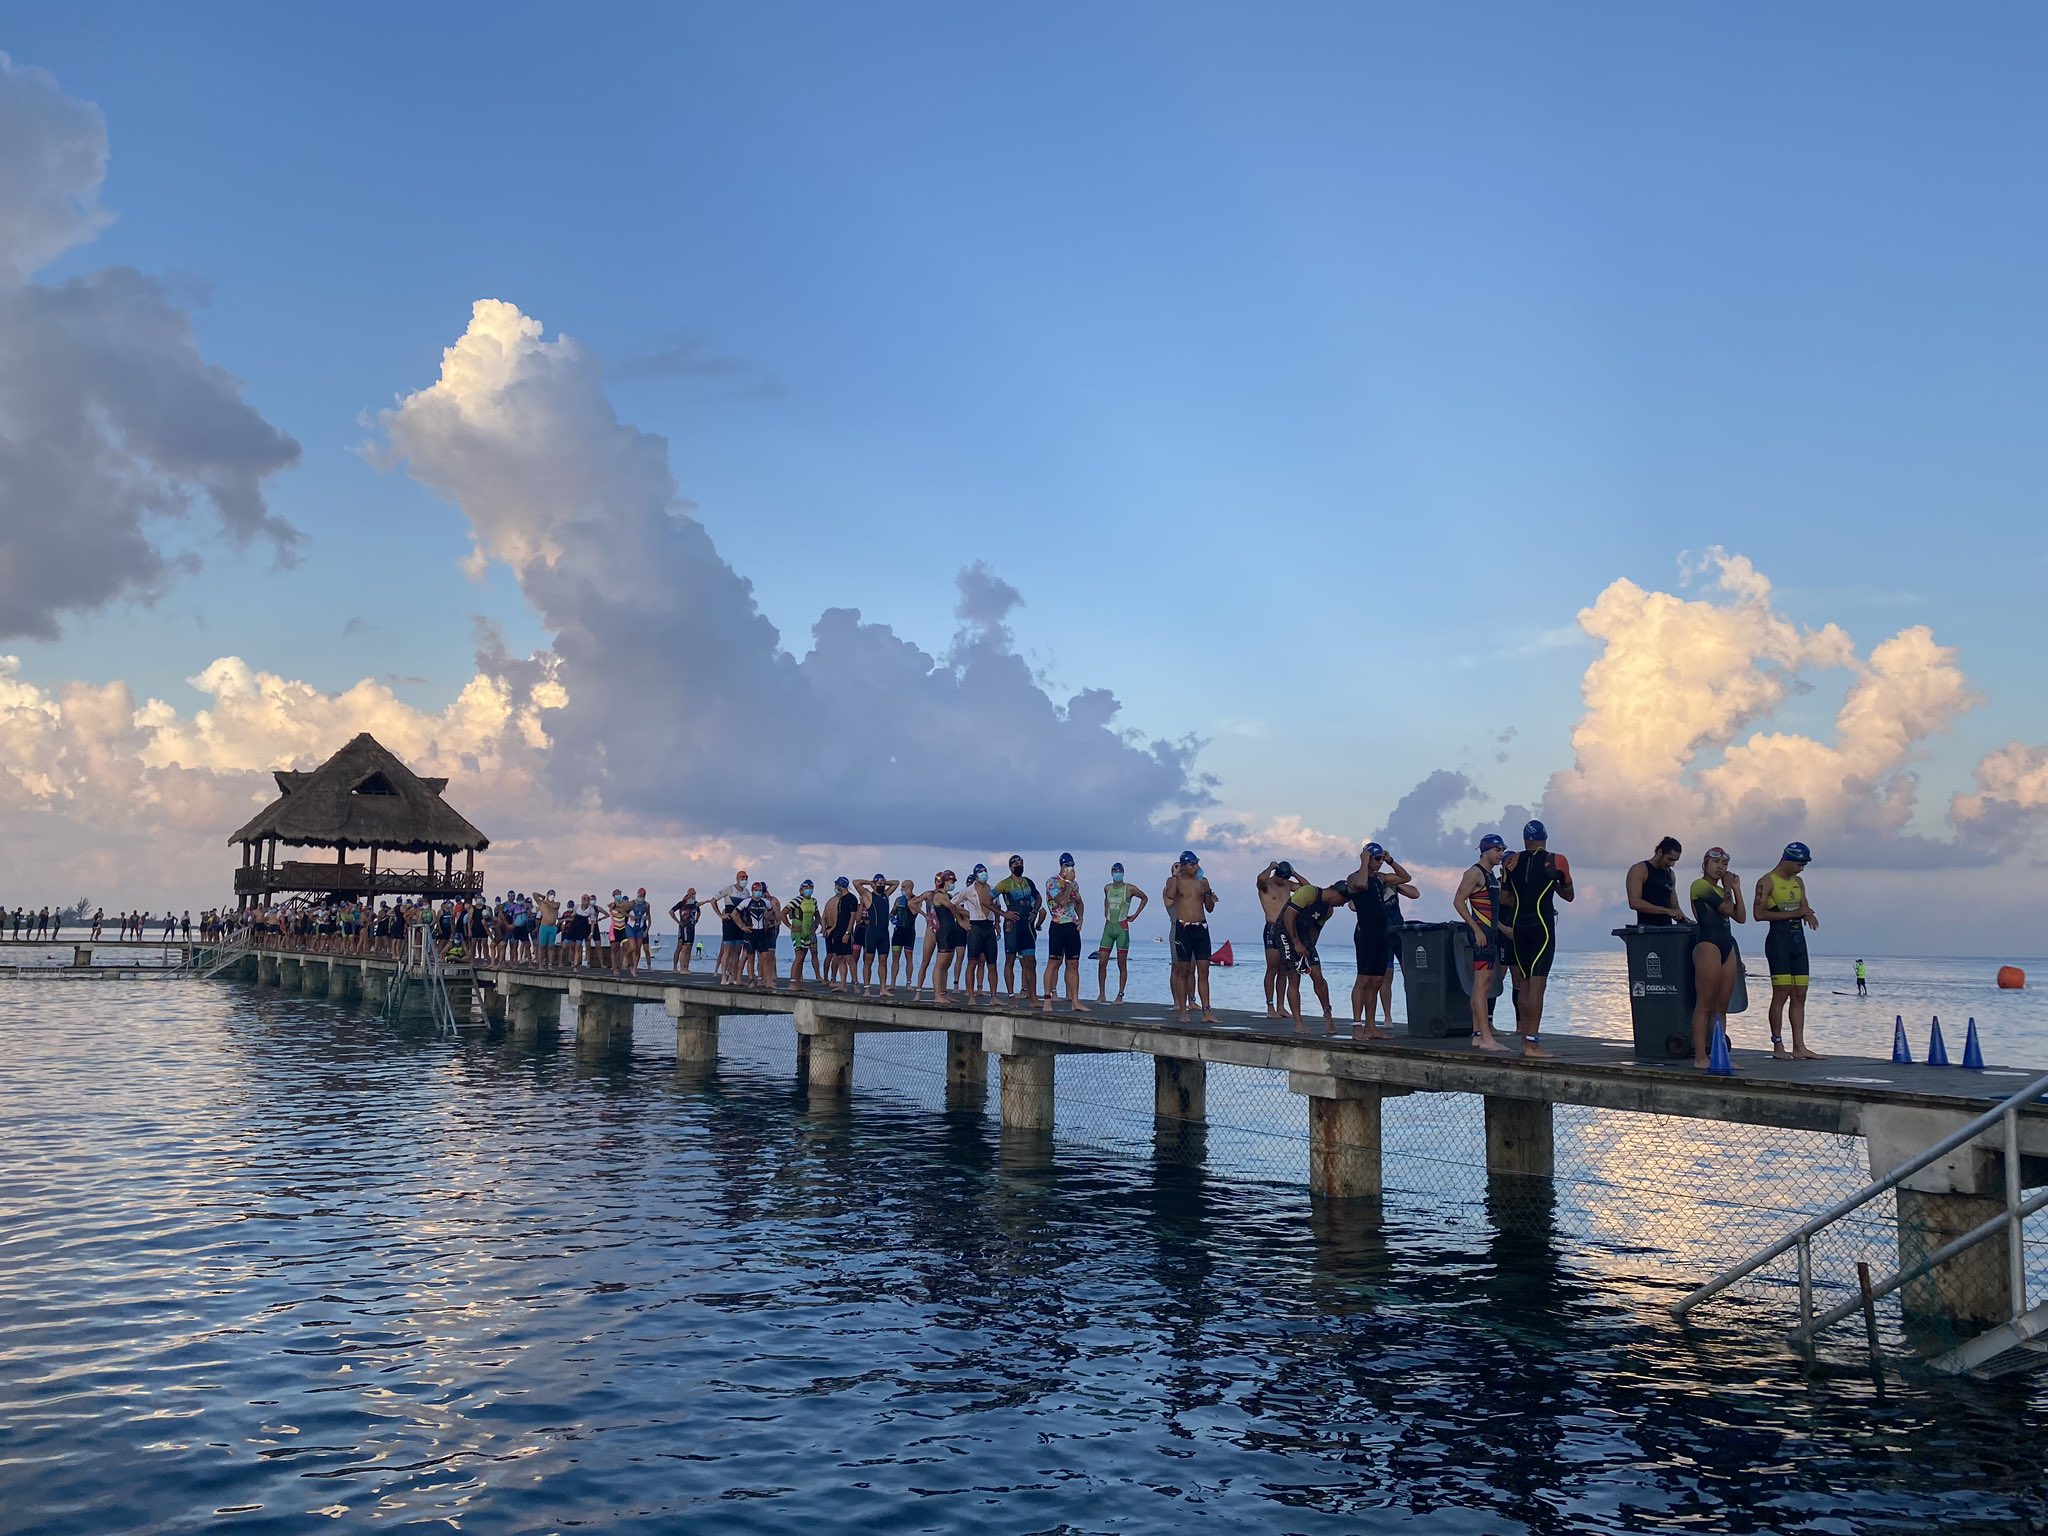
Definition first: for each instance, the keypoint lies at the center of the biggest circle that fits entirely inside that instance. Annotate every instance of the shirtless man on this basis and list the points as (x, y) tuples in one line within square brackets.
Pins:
[(1277, 881), (1478, 902), (1189, 901)]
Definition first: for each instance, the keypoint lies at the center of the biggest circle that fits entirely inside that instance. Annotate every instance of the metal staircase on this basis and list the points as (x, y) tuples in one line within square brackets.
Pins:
[(2020, 1342), (208, 962), (424, 969)]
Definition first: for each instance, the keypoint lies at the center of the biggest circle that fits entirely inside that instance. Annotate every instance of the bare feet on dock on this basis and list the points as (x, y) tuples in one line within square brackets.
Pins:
[(1531, 1048), (1208, 1017), (1489, 1043), (1803, 1054), (1368, 1032)]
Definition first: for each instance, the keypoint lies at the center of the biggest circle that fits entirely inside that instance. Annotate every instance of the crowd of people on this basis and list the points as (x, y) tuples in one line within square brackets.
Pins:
[(47, 924), (978, 940)]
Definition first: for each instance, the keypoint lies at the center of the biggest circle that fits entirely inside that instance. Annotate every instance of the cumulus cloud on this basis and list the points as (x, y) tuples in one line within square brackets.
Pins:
[(1671, 738), (109, 416), (677, 697)]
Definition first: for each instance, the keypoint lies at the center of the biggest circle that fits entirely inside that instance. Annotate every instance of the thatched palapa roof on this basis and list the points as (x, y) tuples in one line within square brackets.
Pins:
[(362, 797)]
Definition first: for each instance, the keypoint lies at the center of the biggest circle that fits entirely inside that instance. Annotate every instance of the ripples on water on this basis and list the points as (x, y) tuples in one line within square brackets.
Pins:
[(267, 1259)]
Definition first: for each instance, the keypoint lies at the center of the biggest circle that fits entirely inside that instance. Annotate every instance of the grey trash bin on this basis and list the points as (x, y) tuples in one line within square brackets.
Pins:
[(1436, 976), (1661, 993)]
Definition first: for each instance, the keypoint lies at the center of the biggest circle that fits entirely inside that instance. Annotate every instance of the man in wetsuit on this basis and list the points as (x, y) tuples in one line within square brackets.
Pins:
[(1478, 902), (1368, 893), (1189, 901), (1276, 882), (902, 933), (1653, 888), (1023, 911), (1117, 916), (1301, 929), (802, 917), (841, 908), (685, 913), (873, 927), (1535, 877), (1781, 902)]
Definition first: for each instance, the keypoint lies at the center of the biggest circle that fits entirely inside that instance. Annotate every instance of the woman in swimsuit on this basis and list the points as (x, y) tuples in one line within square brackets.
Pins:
[(1716, 904)]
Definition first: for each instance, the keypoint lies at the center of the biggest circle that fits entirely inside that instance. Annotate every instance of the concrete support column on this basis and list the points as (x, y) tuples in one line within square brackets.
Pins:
[(341, 981), (313, 977), (1027, 1078), (831, 1063), (531, 1010), (966, 1061), (267, 972), (602, 1022), (288, 972), (1973, 1287), (376, 986), (1519, 1138), (1343, 1135), (493, 1000), (1180, 1088), (696, 1029)]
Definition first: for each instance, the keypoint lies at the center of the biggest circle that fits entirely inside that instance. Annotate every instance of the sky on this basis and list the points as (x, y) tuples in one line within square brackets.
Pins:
[(827, 436)]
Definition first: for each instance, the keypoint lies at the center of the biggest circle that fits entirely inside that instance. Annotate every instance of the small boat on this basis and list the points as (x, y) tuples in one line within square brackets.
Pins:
[(1223, 956)]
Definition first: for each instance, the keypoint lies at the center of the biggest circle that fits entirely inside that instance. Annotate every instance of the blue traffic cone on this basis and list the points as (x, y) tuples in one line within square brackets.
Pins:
[(1718, 1062), (1937, 1053), (1973, 1053), (1902, 1053)]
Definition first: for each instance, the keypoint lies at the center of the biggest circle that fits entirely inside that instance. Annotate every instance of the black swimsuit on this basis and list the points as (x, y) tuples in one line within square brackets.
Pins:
[(1709, 911)]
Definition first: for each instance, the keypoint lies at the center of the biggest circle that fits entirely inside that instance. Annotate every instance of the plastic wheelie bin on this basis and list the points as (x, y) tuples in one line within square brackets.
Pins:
[(1661, 993), (1436, 974)]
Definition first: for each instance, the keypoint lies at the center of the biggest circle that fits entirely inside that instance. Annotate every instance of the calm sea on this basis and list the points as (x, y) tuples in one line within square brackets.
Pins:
[(270, 1263)]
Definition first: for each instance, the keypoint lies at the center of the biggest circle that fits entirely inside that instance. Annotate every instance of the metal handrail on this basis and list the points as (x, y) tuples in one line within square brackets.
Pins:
[(1801, 1237)]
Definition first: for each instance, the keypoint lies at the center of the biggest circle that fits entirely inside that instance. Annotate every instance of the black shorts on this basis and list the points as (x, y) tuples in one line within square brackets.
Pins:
[(762, 941), (729, 932), (903, 935), (839, 947), (1275, 936), (981, 940), (1785, 949), (1374, 951), (878, 938), (1063, 941), (1299, 954), (686, 936), (1190, 942), (1531, 948), (1019, 938), (950, 936)]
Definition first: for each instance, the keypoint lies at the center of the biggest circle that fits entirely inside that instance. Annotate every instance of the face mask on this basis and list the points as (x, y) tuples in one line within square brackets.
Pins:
[(1116, 879)]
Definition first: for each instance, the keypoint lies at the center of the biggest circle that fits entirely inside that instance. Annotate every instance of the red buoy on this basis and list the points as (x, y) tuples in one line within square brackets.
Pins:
[(2011, 977)]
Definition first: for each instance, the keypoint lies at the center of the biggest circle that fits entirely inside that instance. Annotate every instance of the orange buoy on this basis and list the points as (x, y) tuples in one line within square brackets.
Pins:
[(2011, 977)]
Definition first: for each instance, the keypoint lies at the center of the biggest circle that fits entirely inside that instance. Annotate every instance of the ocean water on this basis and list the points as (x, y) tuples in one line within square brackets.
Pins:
[(271, 1263)]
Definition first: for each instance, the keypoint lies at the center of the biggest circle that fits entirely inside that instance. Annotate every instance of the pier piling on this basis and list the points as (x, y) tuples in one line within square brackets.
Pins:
[(1180, 1088), (1519, 1137)]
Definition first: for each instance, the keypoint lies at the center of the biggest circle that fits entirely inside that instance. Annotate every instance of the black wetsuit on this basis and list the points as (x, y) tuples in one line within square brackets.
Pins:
[(1371, 943), (1710, 912), (1660, 889), (837, 940), (902, 923), (1299, 947), (878, 920), (1532, 936)]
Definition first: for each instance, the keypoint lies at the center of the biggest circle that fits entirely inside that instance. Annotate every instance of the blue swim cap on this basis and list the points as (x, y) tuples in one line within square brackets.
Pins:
[(1798, 853), (1533, 832), (1066, 861), (1117, 868), (1492, 840), (842, 882), (1187, 856), (1375, 848), (980, 869), (878, 879)]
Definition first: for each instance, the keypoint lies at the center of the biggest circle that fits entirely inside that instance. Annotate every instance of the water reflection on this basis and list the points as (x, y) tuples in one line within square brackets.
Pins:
[(279, 1257)]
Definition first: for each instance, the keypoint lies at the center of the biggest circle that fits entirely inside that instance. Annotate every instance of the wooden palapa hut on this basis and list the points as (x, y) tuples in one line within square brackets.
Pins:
[(366, 800)]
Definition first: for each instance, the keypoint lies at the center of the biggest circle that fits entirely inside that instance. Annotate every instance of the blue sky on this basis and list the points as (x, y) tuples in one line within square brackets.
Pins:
[(1306, 370)]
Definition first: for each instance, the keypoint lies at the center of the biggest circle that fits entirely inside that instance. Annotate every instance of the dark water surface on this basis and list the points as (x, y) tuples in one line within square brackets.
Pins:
[(272, 1264)]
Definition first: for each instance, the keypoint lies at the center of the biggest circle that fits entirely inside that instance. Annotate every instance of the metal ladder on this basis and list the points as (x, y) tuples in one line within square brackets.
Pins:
[(422, 967), (219, 957), (2018, 1343)]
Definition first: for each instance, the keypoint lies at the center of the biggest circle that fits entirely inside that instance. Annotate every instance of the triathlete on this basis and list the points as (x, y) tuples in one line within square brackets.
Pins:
[(1276, 882), (979, 902), (1301, 927), (1477, 901), (764, 921), (1023, 913), (1372, 946), (903, 932), (1117, 916), (732, 936), (1391, 892), (1653, 889), (802, 916), (1535, 877), (685, 912), (840, 908), (1716, 904), (1781, 902), (944, 936), (1064, 909), (874, 931), (1189, 901)]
